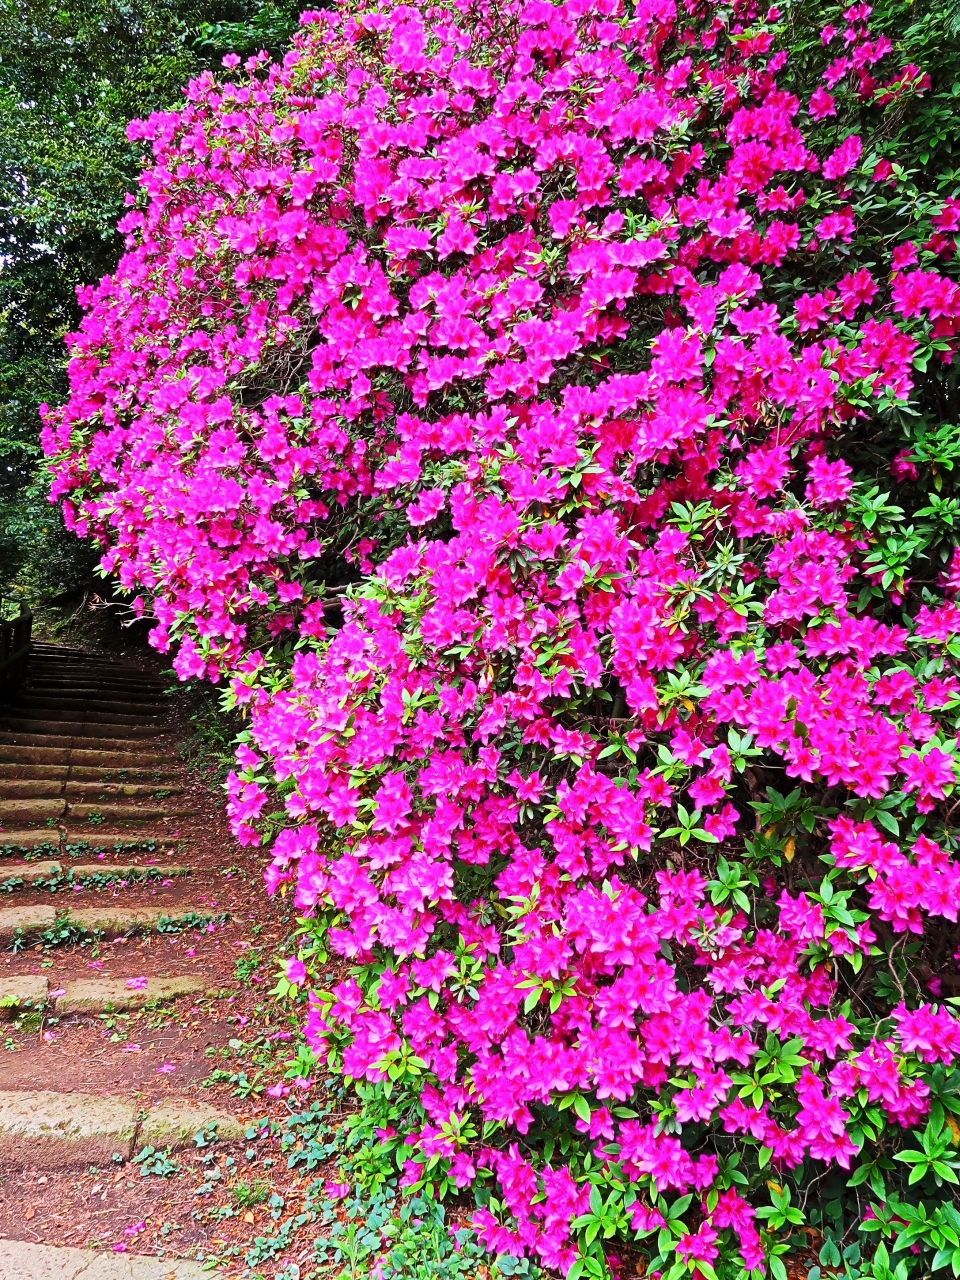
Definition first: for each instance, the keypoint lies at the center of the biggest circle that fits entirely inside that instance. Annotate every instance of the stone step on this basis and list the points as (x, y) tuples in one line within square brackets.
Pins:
[(33, 725), (111, 696), (29, 788), (27, 1261), (56, 650), (30, 772), (40, 1129), (25, 921), (15, 874), (24, 813), (29, 874), (138, 758), (68, 684), (108, 921), (106, 696), (79, 842), (55, 657), (113, 922), (93, 995), (19, 993), (73, 742), (129, 870), (133, 790), (119, 710), (87, 691), (93, 690), (87, 775), (49, 647), (17, 752), (19, 840), (81, 812), (114, 995), (94, 673)]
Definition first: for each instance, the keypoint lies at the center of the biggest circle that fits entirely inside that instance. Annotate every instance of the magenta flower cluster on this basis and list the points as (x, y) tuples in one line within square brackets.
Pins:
[(496, 304)]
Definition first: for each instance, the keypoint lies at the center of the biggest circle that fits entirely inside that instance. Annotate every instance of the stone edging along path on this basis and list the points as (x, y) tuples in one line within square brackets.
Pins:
[(95, 862)]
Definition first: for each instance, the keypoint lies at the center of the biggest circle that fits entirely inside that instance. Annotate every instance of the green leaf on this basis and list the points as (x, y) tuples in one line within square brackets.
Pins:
[(582, 1107)]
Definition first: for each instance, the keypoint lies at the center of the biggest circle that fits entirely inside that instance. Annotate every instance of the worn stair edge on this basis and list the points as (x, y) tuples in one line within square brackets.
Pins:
[(81, 698), (41, 1129), (78, 842), (98, 692), (87, 757), (104, 691), (21, 753)]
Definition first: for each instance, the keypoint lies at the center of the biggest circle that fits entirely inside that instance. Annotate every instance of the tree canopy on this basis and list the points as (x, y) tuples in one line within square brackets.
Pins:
[(72, 77)]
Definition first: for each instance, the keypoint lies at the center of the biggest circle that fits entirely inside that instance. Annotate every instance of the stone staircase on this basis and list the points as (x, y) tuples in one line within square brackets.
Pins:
[(92, 796)]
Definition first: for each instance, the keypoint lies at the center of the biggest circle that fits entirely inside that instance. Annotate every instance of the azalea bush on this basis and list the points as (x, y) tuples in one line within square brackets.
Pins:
[(543, 419)]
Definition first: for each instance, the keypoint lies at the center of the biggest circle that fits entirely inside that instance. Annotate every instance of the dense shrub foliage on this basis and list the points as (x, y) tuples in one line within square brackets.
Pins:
[(542, 416)]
